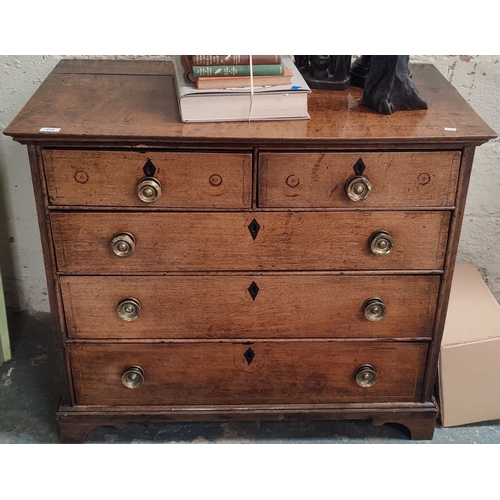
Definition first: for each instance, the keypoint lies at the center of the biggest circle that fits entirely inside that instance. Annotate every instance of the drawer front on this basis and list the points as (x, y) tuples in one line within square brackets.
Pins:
[(399, 179), (243, 374), (253, 306), (110, 178), (223, 241)]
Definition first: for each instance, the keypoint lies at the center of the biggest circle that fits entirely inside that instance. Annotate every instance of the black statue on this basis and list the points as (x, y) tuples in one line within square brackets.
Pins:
[(325, 72), (386, 80), (359, 71), (388, 86)]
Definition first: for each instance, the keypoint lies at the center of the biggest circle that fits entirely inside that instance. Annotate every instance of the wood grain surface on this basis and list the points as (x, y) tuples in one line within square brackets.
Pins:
[(76, 422), (218, 373), (222, 241), (398, 179), (141, 108), (286, 306), (109, 178)]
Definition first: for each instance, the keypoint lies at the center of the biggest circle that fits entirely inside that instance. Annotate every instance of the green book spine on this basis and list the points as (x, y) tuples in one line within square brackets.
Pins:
[(233, 60), (240, 70)]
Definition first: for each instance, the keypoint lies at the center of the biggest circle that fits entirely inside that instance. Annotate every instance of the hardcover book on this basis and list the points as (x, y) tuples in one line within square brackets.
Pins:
[(232, 82), (228, 82), (241, 70), (233, 60), (279, 102)]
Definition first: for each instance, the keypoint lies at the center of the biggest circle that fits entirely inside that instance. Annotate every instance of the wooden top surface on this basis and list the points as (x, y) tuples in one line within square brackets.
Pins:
[(124, 102)]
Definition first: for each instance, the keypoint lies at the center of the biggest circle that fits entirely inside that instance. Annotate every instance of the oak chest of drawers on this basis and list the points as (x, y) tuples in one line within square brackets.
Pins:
[(264, 270)]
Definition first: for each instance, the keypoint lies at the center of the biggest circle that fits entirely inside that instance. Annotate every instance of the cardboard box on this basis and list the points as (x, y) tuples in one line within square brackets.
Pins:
[(469, 362)]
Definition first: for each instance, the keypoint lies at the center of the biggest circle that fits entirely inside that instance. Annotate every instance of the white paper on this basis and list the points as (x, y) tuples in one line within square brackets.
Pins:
[(50, 129)]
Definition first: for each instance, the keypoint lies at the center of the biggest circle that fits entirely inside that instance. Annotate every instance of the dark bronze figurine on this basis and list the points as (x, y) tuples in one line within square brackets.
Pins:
[(359, 71), (386, 80), (325, 72)]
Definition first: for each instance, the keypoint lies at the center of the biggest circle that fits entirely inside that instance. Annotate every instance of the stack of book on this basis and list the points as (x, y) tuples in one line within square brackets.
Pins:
[(214, 72), (221, 90)]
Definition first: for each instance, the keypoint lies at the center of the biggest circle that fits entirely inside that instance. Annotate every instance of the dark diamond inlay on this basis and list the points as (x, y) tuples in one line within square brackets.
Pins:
[(149, 169), (253, 289), (249, 355), (254, 227), (359, 167)]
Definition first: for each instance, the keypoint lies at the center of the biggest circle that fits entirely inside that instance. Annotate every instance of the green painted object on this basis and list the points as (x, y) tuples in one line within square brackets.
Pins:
[(4, 332)]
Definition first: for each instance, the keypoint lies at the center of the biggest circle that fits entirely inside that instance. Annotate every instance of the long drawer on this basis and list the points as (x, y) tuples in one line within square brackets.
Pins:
[(243, 241), (309, 372), (397, 179), (249, 306), (111, 178)]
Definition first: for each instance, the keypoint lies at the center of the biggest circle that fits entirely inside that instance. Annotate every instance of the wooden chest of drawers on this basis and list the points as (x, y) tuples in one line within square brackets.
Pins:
[(219, 271)]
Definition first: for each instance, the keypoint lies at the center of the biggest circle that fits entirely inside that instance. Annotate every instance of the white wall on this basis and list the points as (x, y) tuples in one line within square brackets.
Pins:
[(20, 250), (477, 78), (21, 261)]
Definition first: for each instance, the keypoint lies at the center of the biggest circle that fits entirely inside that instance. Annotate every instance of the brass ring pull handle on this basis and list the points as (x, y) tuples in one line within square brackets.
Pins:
[(129, 309), (149, 189), (123, 244), (381, 243), (133, 377), (374, 309), (358, 188), (365, 375)]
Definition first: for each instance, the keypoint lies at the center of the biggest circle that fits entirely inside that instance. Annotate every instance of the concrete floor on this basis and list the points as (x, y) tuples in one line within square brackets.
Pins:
[(29, 396)]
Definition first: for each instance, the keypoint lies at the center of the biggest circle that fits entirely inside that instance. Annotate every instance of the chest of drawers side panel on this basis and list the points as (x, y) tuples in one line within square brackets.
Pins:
[(53, 286), (456, 220)]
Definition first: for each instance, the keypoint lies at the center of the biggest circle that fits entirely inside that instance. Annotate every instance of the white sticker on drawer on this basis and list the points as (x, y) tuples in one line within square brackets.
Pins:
[(50, 129), (450, 129)]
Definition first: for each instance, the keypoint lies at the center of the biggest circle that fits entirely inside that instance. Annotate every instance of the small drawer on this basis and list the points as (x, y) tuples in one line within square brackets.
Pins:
[(249, 306), (156, 179), (364, 179), (92, 243), (232, 373)]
